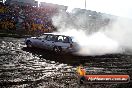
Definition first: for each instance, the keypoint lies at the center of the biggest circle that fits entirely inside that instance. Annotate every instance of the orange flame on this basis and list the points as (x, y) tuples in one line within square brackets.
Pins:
[(81, 71)]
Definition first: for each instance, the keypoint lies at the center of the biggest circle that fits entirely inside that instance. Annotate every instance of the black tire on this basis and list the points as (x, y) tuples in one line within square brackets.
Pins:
[(57, 49), (29, 44)]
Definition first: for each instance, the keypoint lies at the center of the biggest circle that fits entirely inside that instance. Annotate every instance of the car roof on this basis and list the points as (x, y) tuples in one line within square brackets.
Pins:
[(59, 34), (50, 33)]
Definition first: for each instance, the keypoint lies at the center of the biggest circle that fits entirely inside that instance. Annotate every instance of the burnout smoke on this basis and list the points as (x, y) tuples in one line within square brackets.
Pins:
[(96, 33)]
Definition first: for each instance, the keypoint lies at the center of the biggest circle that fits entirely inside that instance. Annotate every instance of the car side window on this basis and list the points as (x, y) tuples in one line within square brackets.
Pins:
[(60, 39), (42, 37), (63, 39), (66, 40), (50, 38)]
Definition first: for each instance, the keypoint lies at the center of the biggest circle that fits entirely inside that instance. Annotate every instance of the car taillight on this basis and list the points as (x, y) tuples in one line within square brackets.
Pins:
[(71, 45)]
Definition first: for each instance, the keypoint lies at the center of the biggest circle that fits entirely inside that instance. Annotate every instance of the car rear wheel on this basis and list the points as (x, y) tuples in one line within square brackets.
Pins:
[(57, 49), (29, 44)]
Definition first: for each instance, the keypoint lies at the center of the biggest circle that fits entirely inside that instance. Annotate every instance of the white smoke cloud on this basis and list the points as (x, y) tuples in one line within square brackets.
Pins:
[(121, 31), (92, 35)]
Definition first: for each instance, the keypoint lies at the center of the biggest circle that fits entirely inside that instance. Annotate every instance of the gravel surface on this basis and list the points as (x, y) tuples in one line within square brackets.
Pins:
[(34, 68)]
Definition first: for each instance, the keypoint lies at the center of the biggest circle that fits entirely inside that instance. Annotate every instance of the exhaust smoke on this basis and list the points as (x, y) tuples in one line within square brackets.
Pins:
[(96, 33)]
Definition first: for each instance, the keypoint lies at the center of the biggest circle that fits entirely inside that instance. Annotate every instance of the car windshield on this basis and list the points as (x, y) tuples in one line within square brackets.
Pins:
[(73, 39)]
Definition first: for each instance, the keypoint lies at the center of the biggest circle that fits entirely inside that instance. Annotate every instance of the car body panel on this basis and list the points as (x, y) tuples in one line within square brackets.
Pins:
[(50, 40)]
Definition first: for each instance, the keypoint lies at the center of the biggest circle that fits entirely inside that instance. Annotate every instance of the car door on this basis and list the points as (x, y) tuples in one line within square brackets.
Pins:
[(34, 41), (63, 42), (41, 41), (49, 42)]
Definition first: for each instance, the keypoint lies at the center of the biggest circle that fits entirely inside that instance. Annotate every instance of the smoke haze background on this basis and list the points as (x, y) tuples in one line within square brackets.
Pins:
[(95, 36), (121, 8), (96, 33)]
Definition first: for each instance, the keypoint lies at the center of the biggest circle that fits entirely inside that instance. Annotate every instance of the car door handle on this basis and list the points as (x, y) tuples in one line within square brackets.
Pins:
[(42, 41), (52, 42)]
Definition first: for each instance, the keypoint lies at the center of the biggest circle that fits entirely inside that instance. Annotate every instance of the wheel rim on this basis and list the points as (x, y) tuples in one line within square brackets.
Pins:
[(57, 49)]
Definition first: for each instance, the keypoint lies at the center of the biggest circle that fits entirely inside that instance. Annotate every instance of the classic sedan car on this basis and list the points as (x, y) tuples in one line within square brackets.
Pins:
[(52, 41)]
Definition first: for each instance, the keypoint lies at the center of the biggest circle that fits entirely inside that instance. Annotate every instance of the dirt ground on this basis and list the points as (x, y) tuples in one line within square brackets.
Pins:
[(35, 68)]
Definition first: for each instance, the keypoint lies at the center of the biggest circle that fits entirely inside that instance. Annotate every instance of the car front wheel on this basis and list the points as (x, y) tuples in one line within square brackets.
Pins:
[(29, 44)]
